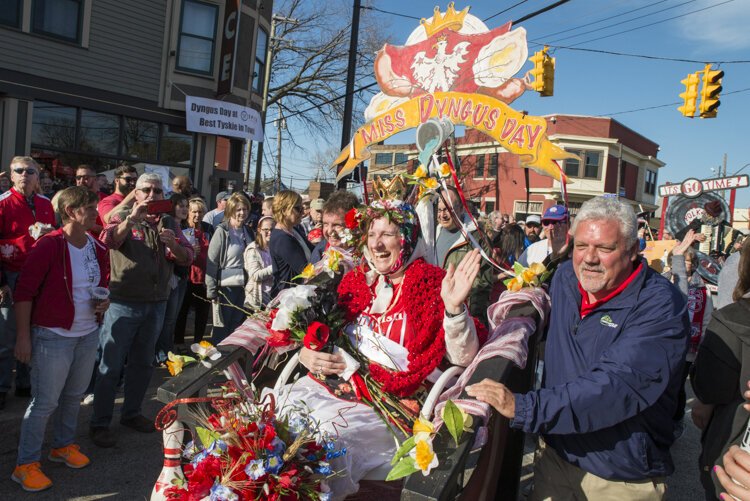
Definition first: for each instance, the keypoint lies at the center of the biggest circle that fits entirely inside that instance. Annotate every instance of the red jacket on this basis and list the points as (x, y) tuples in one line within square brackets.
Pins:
[(47, 281), (15, 218)]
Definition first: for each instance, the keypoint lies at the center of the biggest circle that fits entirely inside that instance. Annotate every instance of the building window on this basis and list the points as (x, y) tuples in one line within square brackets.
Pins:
[(10, 13), (261, 49), (140, 139), (57, 18), (195, 48), (489, 206), (99, 132), (650, 182), (54, 126), (479, 171), (493, 166), (400, 159), (383, 158), (176, 145), (591, 167)]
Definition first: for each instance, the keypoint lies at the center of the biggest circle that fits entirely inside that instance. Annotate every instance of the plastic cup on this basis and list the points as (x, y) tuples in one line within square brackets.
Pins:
[(99, 295)]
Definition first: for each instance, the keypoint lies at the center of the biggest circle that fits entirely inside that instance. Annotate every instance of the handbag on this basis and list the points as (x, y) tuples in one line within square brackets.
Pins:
[(232, 277)]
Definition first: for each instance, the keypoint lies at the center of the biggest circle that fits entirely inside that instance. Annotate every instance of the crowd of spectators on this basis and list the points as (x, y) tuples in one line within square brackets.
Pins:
[(622, 340)]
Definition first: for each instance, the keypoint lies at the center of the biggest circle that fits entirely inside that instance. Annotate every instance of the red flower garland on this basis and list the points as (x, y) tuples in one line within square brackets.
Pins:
[(425, 318)]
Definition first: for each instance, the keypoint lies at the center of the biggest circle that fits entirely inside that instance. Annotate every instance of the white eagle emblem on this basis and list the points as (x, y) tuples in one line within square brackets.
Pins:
[(439, 72)]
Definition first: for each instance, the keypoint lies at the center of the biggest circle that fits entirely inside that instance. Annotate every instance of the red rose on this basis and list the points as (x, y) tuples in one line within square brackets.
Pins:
[(352, 219), (279, 338), (316, 336)]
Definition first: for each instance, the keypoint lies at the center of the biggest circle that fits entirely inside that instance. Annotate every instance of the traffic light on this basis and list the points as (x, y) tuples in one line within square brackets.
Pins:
[(538, 71), (543, 73), (710, 92), (690, 96)]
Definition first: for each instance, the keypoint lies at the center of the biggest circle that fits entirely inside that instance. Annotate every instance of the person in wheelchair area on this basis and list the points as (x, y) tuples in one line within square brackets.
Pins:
[(410, 316)]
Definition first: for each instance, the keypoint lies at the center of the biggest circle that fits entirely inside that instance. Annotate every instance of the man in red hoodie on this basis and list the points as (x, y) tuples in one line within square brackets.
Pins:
[(24, 217)]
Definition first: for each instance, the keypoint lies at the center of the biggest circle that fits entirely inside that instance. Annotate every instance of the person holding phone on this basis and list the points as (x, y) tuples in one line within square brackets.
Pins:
[(144, 250), (60, 343)]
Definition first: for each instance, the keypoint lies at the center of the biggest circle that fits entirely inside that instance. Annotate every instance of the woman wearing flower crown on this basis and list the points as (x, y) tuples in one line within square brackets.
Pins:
[(405, 316)]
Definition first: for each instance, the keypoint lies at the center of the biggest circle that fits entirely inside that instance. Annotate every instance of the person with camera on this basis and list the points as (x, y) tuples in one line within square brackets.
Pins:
[(145, 246)]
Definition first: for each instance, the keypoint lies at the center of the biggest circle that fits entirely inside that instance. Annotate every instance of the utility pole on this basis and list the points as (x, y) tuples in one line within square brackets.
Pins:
[(346, 130), (280, 125), (724, 192), (270, 50)]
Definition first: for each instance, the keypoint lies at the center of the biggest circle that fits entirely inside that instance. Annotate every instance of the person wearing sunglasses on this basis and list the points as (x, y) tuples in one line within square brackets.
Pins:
[(21, 210), (125, 178), (144, 249), (556, 223)]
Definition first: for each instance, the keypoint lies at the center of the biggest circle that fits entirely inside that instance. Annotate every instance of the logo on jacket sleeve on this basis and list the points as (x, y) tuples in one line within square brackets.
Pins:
[(607, 320)]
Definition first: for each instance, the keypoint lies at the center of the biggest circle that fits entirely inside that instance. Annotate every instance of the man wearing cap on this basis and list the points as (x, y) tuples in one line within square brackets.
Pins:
[(216, 216), (315, 219), (532, 228), (556, 223)]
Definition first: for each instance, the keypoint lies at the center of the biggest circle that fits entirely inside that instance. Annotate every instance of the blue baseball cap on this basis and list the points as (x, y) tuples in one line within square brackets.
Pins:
[(556, 213)]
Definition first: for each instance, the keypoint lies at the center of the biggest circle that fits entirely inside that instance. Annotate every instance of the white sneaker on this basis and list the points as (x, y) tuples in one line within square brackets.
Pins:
[(88, 399)]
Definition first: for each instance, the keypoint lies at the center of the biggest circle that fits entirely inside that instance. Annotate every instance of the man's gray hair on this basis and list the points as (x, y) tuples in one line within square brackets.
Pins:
[(494, 216), (599, 208), (148, 178)]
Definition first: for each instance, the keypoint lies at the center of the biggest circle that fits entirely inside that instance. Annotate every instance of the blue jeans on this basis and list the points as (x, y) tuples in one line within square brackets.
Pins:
[(232, 317), (60, 370), (130, 330), (8, 344), (165, 343)]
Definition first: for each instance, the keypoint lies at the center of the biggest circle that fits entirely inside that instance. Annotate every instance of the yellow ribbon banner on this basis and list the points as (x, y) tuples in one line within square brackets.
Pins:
[(523, 135)]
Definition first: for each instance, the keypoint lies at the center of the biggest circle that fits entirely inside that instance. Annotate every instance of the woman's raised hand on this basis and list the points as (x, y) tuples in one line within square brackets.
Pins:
[(320, 362), (458, 281)]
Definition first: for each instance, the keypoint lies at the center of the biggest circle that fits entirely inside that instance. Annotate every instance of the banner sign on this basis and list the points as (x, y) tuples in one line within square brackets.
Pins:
[(220, 118), (694, 187), (454, 67), (231, 28)]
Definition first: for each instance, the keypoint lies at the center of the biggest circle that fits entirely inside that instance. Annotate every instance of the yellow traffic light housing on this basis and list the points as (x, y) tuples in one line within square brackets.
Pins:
[(710, 92), (690, 96), (543, 72)]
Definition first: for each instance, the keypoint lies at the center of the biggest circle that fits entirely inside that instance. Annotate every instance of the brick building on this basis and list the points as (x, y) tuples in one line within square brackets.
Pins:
[(614, 159)]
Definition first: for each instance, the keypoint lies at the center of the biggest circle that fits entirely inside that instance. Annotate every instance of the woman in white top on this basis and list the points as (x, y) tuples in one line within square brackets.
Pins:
[(58, 332), (258, 267)]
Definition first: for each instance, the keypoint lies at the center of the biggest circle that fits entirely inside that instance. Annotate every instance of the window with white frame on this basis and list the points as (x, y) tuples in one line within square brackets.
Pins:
[(197, 39), (650, 182), (590, 168), (10, 12), (261, 49)]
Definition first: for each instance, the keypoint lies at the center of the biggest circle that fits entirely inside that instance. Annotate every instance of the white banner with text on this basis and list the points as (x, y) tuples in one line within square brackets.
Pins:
[(220, 118)]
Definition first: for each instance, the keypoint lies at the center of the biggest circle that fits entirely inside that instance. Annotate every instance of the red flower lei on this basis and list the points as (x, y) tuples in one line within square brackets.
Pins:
[(427, 345)]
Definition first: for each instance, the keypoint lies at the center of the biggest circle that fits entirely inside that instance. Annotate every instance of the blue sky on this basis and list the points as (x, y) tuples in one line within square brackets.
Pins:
[(589, 83)]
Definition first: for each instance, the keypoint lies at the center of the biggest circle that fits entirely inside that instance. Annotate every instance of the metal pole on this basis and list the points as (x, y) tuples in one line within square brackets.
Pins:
[(266, 83), (346, 128), (724, 192), (279, 128)]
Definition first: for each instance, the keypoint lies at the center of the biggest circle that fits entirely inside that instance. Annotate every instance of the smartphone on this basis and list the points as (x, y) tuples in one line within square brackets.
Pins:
[(159, 206)]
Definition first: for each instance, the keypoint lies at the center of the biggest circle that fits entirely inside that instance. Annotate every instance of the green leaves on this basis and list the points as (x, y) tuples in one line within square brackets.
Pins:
[(454, 420), (402, 451), (403, 468), (206, 436)]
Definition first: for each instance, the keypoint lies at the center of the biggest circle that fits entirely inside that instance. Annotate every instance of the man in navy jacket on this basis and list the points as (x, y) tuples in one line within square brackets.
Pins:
[(615, 347)]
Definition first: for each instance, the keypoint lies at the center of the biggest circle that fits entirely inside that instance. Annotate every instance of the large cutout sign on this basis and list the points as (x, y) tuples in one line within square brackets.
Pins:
[(453, 67)]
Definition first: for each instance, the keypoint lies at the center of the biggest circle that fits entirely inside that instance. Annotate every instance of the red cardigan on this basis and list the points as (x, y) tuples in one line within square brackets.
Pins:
[(47, 281)]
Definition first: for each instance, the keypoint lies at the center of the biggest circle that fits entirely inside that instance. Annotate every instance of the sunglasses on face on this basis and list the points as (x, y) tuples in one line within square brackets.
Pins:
[(128, 179), (30, 172), (551, 223), (79, 178), (155, 191)]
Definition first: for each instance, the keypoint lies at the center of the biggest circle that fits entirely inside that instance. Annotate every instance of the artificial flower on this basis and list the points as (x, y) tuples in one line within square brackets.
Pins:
[(308, 272), (431, 183), (352, 219), (421, 172), (316, 336), (537, 268), (333, 259), (274, 464), (221, 492), (282, 320), (528, 276), (255, 469), (424, 456), (421, 424), (444, 170), (205, 351), (514, 284)]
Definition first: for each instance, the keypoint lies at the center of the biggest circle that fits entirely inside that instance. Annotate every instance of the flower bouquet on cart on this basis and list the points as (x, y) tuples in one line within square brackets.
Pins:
[(245, 451)]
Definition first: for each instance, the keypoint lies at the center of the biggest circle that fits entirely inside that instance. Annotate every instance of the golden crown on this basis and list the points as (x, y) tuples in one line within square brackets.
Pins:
[(389, 189), (451, 19)]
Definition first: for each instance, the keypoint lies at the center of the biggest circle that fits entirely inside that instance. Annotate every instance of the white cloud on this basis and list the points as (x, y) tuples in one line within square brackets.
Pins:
[(720, 28)]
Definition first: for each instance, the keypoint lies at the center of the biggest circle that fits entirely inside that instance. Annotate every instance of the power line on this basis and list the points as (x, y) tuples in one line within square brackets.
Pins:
[(665, 105), (504, 10), (654, 23), (650, 14), (391, 13), (644, 56), (329, 101), (540, 11)]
